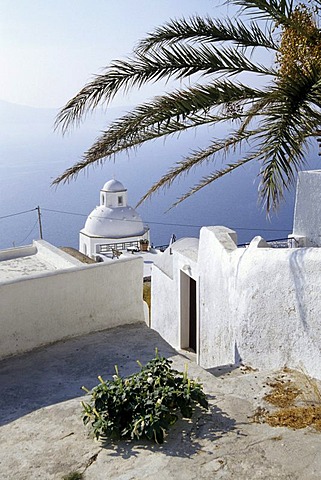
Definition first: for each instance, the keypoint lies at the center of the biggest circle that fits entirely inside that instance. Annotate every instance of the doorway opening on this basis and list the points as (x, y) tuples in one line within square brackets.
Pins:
[(188, 313)]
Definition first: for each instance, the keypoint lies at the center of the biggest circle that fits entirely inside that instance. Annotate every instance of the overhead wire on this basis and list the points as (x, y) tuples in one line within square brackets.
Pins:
[(167, 223), (185, 225), (34, 226), (18, 213)]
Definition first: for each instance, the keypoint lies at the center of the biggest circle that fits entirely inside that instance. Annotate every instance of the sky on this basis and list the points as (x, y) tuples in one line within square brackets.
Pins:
[(50, 48)]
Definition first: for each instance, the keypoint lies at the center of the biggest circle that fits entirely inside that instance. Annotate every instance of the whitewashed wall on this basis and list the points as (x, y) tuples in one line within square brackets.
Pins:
[(265, 306), (307, 214), (43, 309), (260, 305), (218, 260)]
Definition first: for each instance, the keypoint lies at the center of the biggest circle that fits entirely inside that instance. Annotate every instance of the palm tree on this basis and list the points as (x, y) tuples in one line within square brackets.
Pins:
[(221, 59)]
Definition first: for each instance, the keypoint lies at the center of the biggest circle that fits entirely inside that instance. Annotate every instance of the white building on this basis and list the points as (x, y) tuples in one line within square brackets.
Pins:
[(113, 225), (257, 304)]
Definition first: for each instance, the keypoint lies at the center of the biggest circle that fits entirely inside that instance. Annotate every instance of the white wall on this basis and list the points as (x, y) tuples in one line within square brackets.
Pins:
[(307, 212), (165, 306), (43, 309), (218, 271), (260, 305)]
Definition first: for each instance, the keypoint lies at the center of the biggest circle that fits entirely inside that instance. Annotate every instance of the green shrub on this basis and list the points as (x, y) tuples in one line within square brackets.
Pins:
[(143, 405)]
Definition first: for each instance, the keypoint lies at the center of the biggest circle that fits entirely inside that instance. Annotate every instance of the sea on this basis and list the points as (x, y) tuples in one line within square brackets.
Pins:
[(33, 154)]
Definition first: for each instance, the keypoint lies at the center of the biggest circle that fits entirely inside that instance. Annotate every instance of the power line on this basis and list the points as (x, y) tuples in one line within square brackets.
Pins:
[(67, 213), (34, 226), (185, 225), (18, 213), (169, 224)]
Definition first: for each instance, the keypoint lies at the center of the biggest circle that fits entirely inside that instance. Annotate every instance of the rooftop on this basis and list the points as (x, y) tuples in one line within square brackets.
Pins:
[(35, 259)]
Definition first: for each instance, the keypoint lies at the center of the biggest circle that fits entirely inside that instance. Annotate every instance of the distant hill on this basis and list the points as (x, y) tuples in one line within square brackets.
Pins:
[(12, 113)]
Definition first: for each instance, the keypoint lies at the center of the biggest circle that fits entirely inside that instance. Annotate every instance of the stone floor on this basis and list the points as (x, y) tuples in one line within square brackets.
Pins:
[(42, 435)]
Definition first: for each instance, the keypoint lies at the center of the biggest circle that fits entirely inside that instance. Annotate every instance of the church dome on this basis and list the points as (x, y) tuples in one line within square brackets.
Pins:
[(114, 218), (114, 186), (114, 222)]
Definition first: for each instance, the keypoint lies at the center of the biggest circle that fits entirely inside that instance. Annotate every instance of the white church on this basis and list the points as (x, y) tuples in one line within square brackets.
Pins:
[(113, 226)]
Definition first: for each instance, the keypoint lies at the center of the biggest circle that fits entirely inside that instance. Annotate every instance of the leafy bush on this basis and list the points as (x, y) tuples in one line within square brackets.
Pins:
[(143, 405)]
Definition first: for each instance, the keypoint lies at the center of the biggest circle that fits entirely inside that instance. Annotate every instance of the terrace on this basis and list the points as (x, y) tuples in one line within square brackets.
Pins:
[(42, 435)]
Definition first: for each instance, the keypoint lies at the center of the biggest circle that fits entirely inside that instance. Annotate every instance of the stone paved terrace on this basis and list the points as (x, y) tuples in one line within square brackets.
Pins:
[(42, 435)]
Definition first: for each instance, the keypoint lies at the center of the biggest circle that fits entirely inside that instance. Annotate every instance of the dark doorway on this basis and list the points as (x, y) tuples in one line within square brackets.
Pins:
[(192, 315), (188, 314)]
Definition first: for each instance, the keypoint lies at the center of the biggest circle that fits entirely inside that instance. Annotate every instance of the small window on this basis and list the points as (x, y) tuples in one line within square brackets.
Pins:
[(120, 200), (102, 200)]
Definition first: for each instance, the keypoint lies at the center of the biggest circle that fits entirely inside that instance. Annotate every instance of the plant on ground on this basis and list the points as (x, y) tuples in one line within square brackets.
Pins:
[(143, 405), (217, 63)]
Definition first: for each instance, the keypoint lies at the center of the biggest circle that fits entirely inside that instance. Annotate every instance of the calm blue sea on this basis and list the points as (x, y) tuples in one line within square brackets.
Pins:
[(32, 155)]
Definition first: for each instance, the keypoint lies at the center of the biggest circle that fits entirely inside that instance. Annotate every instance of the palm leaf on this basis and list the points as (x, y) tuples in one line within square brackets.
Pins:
[(197, 158), (212, 177), (180, 110), (281, 141), (168, 115), (291, 121), (278, 10), (176, 62), (208, 30), (277, 121)]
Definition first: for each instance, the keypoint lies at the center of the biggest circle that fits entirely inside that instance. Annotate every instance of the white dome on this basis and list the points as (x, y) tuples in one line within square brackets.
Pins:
[(114, 186), (114, 222)]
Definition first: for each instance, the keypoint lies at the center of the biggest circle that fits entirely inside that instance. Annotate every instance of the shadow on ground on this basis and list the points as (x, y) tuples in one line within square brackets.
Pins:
[(184, 438), (56, 373), (223, 369)]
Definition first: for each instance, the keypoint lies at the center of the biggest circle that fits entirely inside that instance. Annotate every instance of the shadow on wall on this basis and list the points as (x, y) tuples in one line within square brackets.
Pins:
[(298, 271)]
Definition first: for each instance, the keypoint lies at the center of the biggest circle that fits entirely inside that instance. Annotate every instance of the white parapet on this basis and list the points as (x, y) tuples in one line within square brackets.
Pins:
[(50, 304)]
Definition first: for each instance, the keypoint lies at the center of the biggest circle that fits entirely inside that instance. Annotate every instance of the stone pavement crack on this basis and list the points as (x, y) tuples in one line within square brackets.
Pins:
[(92, 459)]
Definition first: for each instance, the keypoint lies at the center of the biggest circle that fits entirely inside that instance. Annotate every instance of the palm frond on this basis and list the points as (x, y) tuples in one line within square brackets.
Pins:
[(281, 161), (208, 30), (178, 62), (211, 178), (167, 115), (278, 10), (290, 122), (281, 141), (276, 121), (182, 109), (197, 158)]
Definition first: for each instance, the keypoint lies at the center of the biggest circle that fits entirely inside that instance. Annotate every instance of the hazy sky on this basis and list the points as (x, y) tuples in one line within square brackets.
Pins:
[(50, 48)]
